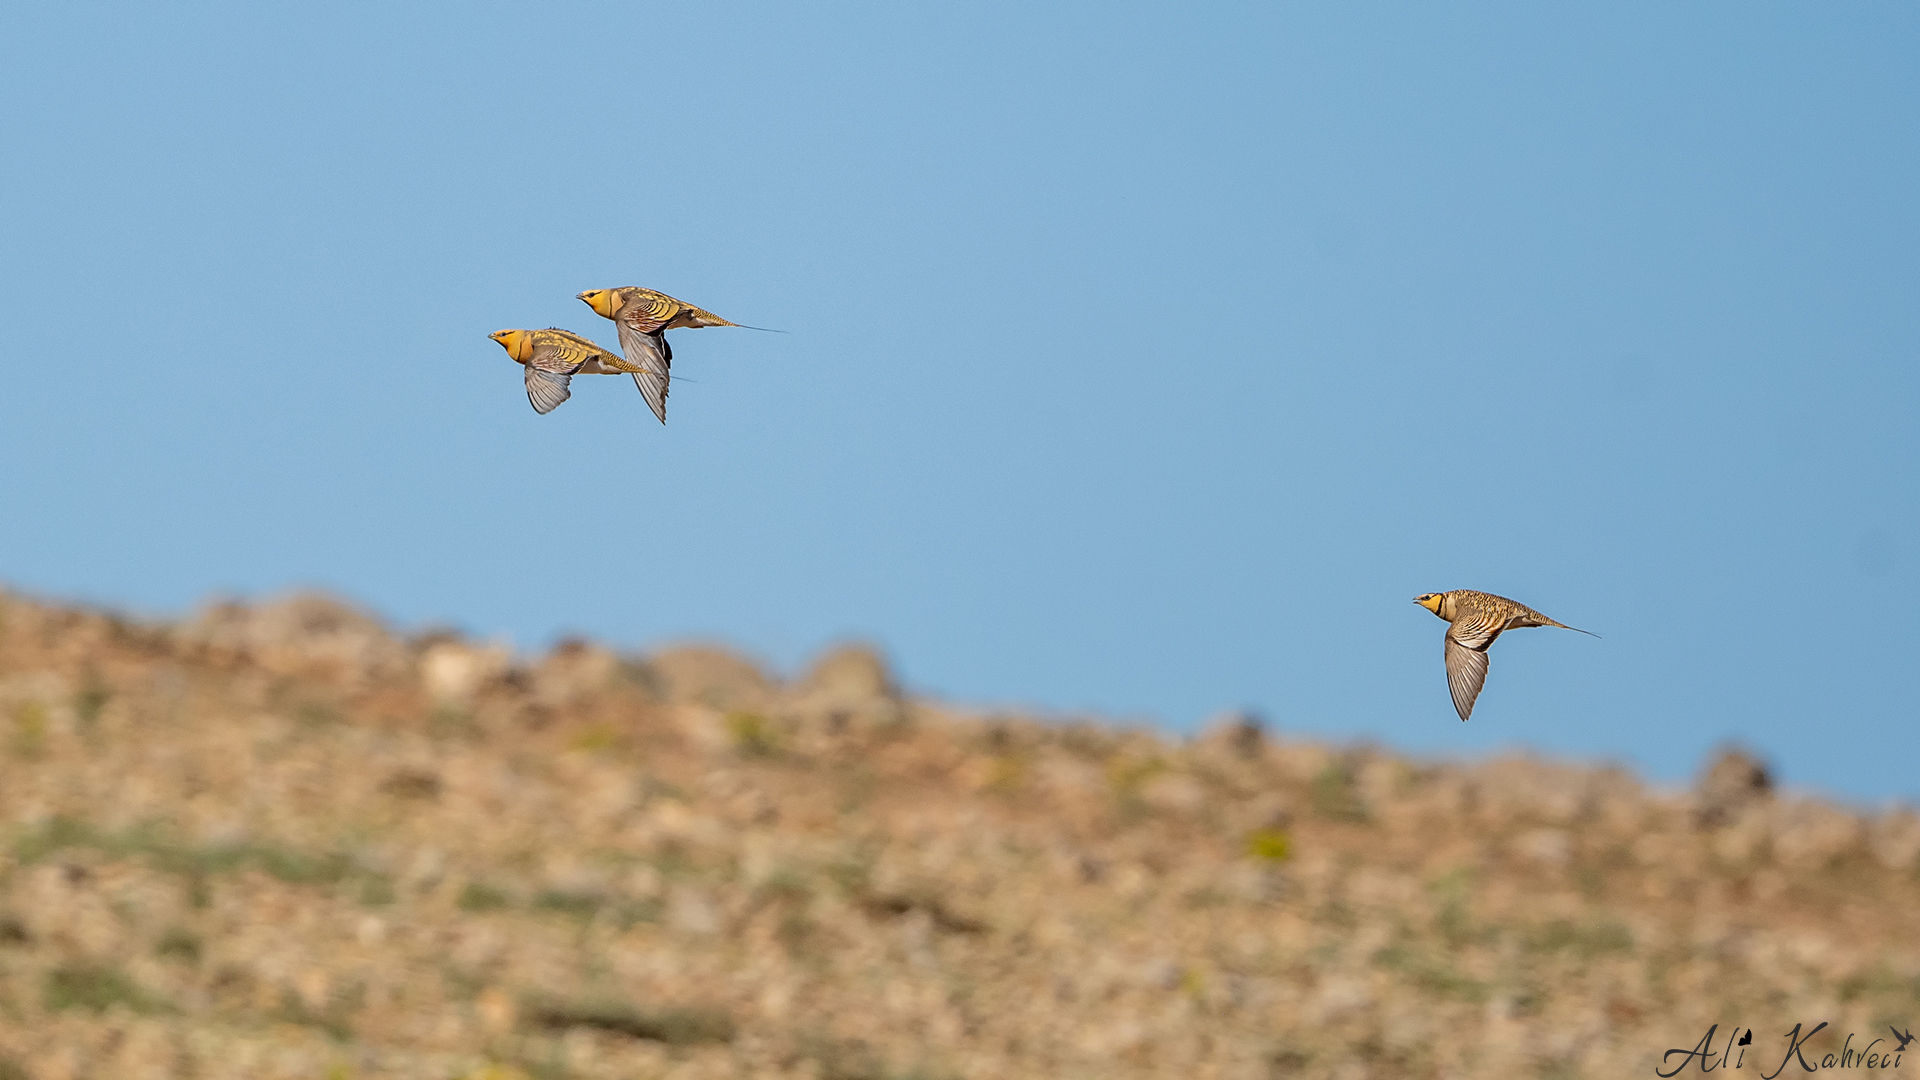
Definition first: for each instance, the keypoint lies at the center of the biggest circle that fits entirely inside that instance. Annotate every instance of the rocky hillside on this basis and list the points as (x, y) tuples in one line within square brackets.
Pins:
[(281, 841)]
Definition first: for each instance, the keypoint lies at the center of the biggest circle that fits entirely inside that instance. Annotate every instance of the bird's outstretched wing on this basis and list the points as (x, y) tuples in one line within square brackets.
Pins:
[(1466, 673), (547, 389), (556, 356), (655, 359), (646, 312), (563, 350), (1468, 638)]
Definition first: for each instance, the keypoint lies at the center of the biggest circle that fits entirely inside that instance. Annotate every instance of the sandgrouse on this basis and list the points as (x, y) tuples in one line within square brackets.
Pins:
[(553, 357), (1477, 618), (644, 317)]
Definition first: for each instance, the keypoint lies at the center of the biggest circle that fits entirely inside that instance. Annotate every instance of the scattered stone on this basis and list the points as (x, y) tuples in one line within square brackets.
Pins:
[(1734, 781)]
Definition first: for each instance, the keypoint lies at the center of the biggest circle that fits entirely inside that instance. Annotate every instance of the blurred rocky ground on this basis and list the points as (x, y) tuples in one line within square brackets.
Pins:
[(281, 841)]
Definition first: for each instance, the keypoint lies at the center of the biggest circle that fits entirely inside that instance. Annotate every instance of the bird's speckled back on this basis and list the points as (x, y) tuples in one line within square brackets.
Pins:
[(1469, 605)]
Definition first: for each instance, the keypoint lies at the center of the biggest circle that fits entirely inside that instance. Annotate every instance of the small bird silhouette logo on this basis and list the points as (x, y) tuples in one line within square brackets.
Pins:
[(1904, 1039), (1747, 1039)]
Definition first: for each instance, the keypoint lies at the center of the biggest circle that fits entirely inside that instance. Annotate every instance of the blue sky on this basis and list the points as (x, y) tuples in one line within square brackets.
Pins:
[(1142, 360)]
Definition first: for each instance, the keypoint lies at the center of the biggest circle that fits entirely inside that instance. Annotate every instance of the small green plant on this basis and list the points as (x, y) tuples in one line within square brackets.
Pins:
[(675, 1027), (1597, 939), (858, 784), (794, 929), (376, 890), (29, 728), (331, 1019), (576, 904), (850, 873), (178, 944), (643, 677), (195, 862), (1008, 773), (1270, 845), (479, 897), (296, 867), (450, 721), (1447, 982), (856, 1059), (1334, 794), (633, 912), (752, 734), (596, 739), (786, 885), (94, 988), (1452, 890), (1126, 774), (1433, 976), (90, 699), (316, 715)]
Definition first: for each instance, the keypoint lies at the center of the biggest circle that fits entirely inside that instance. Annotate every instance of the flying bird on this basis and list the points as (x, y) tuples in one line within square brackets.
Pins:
[(553, 357), (1904, 1039), (644, 317), (1477, 618)]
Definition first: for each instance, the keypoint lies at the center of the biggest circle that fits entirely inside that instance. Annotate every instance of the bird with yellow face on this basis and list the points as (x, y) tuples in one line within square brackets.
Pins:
[(552, 357), (1475, 619), (644, 317)]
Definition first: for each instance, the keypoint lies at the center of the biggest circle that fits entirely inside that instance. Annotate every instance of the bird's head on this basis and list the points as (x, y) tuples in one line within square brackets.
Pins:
[(603, 301), (1430, 601), (518, 343)]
